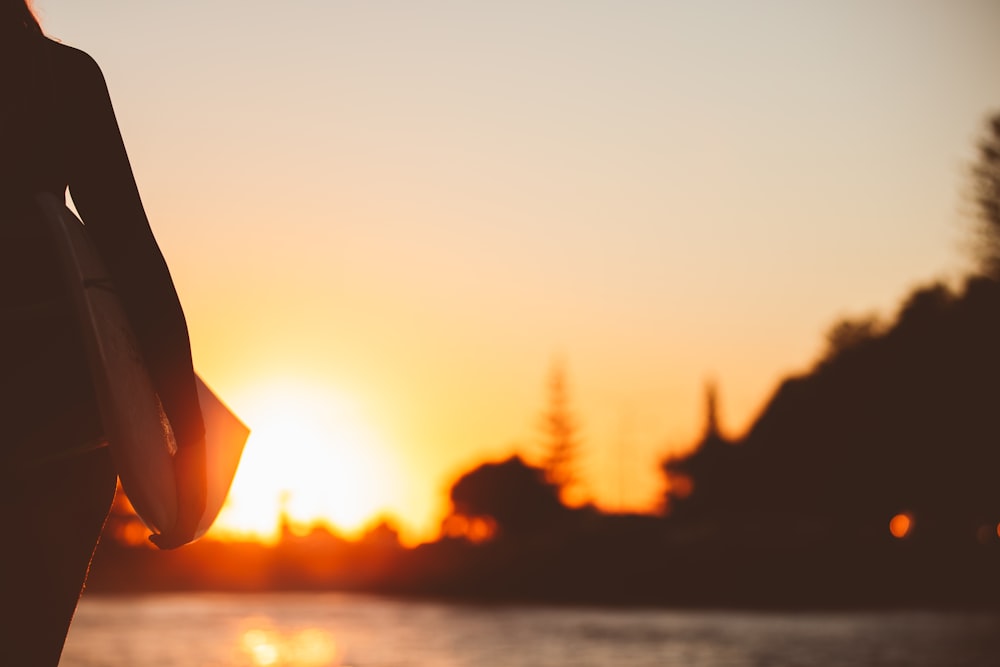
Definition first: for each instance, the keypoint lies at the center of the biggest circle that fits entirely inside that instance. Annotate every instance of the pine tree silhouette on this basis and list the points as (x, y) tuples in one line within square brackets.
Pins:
[(560, 433)]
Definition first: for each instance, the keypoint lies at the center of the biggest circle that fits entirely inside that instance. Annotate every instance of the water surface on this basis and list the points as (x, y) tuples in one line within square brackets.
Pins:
[(335, 630)]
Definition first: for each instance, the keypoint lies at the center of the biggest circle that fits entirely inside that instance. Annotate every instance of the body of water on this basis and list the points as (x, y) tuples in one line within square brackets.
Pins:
[(335, 630)]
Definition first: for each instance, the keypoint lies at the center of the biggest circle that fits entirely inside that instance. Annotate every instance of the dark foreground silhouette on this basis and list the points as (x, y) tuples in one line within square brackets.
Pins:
[(58, 130)]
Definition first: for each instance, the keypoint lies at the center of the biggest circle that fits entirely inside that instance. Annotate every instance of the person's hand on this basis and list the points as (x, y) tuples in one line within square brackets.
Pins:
[(189, 470)]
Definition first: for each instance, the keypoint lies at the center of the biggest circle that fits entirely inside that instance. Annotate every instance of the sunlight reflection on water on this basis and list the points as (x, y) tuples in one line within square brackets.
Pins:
[(331, 630), (312, 647)]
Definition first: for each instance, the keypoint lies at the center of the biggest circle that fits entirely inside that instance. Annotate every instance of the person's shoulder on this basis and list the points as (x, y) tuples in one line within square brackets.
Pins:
[(75, 65)]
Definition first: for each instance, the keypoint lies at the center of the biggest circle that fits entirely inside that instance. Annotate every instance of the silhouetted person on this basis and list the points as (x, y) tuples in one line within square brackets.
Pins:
[(58, 130)]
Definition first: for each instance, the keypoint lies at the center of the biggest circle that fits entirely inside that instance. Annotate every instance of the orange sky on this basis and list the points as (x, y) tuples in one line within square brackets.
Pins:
[(386, 220)]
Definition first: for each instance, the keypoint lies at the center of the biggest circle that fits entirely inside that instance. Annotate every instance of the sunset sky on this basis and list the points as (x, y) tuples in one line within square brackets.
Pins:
[(387, 220)]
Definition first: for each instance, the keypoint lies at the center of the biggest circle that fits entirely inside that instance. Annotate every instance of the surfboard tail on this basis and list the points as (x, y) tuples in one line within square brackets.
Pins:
[(225, 438)]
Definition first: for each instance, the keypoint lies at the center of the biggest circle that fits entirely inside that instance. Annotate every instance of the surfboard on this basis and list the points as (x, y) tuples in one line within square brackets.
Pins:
[(135, 425), (225, 437)]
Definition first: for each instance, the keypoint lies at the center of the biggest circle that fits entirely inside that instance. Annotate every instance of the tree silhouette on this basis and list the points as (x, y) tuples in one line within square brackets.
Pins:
[(986, 184), (708, 466), (849, 334), (513, 494), (560, 433), (712, 429)]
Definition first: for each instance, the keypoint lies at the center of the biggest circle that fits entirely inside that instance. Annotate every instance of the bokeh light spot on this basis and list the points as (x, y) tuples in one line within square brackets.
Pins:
[(900, 525)]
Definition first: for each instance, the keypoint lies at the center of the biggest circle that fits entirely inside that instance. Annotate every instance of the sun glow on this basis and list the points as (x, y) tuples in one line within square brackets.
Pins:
[(311, 458)]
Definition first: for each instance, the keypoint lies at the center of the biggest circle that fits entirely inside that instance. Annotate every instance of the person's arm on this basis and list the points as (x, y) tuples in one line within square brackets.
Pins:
[(106, 196)]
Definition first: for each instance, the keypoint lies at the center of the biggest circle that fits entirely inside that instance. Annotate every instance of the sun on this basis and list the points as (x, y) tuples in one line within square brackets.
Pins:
[(312, 456)]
